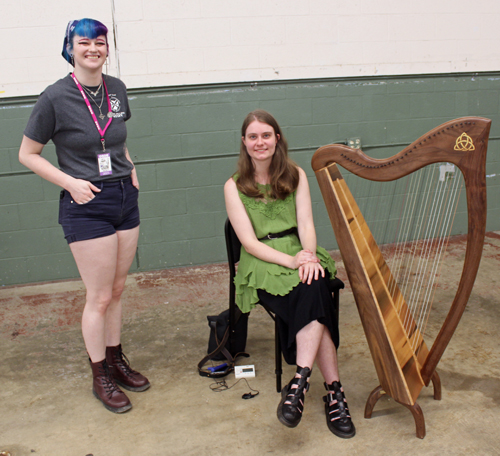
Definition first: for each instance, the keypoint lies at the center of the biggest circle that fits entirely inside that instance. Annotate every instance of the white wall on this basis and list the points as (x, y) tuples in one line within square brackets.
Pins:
[(167, 42)]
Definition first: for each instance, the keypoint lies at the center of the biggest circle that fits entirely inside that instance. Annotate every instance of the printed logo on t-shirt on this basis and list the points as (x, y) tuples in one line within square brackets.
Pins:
[(115, 106)]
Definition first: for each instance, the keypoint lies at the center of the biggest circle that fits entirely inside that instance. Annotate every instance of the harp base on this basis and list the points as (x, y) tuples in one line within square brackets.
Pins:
[(415, 409)]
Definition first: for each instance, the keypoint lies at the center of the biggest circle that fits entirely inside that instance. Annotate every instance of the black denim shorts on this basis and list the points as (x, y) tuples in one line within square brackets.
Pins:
[(114, 208)]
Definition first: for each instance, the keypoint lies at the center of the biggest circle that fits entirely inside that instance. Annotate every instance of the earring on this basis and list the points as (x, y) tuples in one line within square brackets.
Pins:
[(72, 60)]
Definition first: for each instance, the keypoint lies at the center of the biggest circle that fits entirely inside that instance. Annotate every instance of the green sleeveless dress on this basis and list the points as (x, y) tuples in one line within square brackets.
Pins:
[(271, 216)]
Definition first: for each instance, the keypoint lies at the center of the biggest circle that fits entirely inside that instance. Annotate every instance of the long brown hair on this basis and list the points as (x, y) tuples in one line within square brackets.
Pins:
[(283, 172)]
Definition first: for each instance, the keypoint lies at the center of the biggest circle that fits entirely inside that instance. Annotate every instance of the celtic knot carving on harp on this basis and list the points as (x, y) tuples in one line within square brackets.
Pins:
[(387, 287)]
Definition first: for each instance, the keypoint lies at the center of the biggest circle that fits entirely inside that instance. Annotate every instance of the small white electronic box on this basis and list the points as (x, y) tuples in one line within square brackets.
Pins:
[(244, 371)]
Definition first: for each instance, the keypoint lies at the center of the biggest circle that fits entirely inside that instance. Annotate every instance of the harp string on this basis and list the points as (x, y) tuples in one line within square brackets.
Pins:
[(411, 224), (452, 191)]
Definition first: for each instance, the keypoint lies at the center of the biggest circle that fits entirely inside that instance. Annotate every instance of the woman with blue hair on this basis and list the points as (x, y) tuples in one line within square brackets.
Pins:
[(84, 115)]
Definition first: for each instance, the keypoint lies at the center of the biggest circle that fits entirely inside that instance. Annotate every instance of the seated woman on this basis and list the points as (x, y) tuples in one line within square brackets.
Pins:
[(269, 205)]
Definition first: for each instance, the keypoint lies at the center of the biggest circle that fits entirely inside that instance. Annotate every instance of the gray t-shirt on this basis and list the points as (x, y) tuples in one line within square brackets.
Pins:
[(61, 114)]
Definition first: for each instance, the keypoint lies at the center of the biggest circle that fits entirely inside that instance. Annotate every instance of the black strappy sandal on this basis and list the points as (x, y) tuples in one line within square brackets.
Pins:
[(338, 417), (291, 414)]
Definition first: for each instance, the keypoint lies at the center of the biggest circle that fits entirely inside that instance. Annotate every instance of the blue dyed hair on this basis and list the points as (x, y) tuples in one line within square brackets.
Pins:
[(88, 28)]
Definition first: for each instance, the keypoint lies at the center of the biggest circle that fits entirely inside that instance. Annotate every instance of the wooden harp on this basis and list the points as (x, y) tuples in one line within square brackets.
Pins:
[(403, 361)]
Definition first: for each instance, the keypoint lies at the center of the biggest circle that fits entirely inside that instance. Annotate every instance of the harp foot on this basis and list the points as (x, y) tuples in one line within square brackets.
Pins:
[(418, 416), (415, 409), (436, 383), (374, 396)]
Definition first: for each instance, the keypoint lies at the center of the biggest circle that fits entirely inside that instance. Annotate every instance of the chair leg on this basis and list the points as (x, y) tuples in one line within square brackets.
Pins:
[(336, 303), (278, 362)]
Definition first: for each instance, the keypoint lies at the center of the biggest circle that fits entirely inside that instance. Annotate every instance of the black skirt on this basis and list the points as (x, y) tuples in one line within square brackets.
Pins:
[(304, 304)]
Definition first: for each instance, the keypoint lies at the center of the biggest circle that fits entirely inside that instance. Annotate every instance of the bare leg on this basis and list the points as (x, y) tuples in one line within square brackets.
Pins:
[(127, 246), (103, 264), (96, 261), (309, 339), (326, 358), (314, 342)]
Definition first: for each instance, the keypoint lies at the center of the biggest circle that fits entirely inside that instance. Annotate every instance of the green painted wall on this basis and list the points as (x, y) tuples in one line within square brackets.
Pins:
[(184, 141)]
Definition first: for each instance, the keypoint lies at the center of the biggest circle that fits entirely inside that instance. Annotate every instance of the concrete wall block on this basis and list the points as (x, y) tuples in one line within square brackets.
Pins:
[(167, 11), (492, 220), (146, 174), (19, 189), (222, 169), (13, 271), (337, 110), (440, 104), (162, 203), (150, 231), (493, 192), (187, 227), (139, 125), (175, 228), (19, 244), (303, 159), (17, 111), (51, 192), (194, 98), (13, 157), (204, 32), (484, 103), (208, 250), (9, 215), (208, 143), (416, 84), (456, 84), (5, 160), (268, 30), (296, 111), (311, 90), (205, 199), (155, 147), (362, 88), (164, 255), (208, 118), (407, 131), (326, 237), (168, 61), (137, 35), (42, 214), (63, 266), (227, 57), (11, 132), (389, 106), (312, 136), (183, 174), (165, 121), (154, 99)]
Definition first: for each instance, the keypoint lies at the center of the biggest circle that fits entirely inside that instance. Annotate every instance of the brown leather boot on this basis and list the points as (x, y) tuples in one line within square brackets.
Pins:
[(105, 389), (122, 373)]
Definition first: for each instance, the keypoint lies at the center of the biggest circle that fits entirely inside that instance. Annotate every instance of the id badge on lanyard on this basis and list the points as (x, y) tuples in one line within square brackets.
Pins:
[(104, 161)]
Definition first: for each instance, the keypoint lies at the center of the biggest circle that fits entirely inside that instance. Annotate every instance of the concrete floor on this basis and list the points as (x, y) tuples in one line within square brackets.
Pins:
[(47, 407)]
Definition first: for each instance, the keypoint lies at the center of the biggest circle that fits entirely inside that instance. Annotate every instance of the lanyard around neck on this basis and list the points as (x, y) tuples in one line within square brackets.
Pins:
[(99, 129)]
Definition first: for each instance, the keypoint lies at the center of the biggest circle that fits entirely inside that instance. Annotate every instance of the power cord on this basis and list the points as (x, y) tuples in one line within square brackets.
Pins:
[(221, 385)]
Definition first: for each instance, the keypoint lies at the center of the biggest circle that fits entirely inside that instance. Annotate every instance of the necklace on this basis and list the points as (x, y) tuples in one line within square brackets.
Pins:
[(101, 115), (90, 91)]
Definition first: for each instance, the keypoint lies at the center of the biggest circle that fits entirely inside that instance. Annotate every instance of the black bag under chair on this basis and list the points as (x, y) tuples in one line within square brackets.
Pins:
[(222, 347)]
